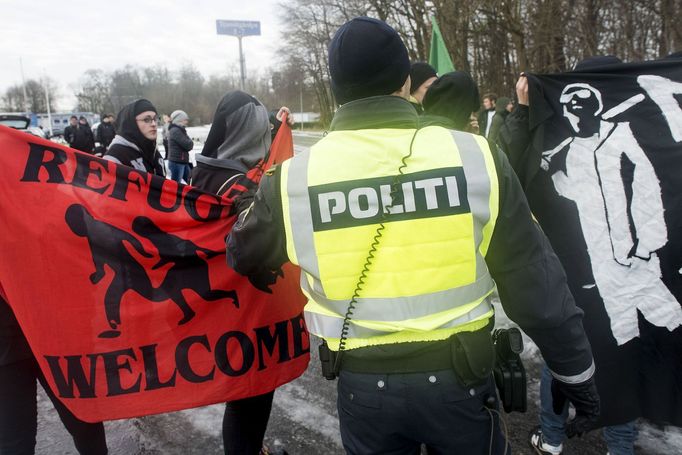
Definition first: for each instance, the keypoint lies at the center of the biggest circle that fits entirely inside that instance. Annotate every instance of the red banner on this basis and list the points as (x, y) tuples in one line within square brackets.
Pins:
[(119, 281)]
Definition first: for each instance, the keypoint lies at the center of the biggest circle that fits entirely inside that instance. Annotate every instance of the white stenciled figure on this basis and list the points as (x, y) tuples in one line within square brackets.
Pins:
[(621, 245)]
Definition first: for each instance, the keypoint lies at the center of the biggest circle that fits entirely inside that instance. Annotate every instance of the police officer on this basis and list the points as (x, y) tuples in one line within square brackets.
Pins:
[(399, 232)]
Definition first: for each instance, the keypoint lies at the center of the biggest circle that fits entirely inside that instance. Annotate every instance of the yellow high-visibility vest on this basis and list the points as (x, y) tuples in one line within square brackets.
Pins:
[(427, 278)]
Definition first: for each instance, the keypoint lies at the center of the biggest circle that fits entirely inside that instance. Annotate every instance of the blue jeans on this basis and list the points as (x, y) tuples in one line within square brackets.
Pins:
[(179, 171), (620, 439)]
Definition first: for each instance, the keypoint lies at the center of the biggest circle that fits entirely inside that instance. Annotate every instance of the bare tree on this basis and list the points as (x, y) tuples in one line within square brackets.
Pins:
[(94, 94), (13, 100)]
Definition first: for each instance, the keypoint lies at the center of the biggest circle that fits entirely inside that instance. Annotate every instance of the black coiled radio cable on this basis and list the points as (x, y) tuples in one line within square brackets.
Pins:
[(370, 258)]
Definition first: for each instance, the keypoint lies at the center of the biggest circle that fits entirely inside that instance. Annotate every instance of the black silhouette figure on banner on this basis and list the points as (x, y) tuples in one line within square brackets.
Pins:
[(189, 270), (107, 246)]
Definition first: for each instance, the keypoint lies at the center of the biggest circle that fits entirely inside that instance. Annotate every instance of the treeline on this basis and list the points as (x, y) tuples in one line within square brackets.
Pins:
[(35, 101), (492, 39), (188, 89)]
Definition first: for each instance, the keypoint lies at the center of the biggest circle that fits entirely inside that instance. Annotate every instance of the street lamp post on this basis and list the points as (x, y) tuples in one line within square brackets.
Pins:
[(301, 99), (47, 104)]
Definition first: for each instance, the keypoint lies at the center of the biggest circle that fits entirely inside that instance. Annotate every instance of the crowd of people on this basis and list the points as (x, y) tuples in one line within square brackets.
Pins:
[(414, 363)]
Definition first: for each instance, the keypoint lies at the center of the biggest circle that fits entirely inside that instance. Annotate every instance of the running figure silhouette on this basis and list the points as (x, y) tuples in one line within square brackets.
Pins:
[(107, 246), (189, 270)]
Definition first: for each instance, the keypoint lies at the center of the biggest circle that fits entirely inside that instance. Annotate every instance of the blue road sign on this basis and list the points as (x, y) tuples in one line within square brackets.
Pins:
[(237, 28)]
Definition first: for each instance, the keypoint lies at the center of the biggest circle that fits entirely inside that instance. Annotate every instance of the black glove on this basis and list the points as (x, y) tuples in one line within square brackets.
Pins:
[(262, 280), (585, 400)]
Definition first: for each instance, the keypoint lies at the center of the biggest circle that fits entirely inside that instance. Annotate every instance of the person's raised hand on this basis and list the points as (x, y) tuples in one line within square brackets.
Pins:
[(280, 114), (522, 89)]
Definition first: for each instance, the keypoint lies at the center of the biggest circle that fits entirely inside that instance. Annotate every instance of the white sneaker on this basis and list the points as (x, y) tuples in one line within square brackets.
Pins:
[(542, 447)]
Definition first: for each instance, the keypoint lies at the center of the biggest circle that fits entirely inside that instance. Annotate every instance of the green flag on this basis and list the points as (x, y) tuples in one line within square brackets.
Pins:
[(439, 57)]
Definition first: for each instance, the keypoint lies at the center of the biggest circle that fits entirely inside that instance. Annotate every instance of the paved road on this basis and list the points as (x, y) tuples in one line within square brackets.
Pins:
[(303, 420)]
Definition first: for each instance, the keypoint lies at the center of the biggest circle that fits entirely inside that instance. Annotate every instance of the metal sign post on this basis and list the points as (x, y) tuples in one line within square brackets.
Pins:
[(240, 29)]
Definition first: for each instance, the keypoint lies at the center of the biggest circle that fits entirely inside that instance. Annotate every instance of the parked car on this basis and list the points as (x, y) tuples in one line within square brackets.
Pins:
[(16, 121), (21, 122)]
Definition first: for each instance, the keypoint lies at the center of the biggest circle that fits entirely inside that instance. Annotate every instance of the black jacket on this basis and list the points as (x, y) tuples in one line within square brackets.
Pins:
[(80, 137), (105, 133), (530, 279), (514, 138), (124, 152), (179, 144), (13, 344)]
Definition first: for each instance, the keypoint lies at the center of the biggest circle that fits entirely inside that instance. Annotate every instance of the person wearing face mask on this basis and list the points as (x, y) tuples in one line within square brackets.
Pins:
[(239, 139), (135, 142)]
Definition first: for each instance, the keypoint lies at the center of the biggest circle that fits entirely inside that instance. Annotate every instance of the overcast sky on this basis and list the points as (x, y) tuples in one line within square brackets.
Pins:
[(63, 39)]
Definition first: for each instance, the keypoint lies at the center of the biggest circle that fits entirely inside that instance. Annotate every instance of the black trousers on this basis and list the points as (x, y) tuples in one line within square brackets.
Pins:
[(19, 413), (244, 424), (393, 414)]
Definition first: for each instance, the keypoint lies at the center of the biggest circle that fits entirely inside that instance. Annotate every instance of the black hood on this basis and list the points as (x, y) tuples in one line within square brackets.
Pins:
[(126, 125), (240, 133), (453, 96)]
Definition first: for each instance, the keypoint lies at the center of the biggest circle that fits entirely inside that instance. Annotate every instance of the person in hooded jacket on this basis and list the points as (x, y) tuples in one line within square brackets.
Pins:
[(238, 140), (135, 142), (179, 146), (240, 137)]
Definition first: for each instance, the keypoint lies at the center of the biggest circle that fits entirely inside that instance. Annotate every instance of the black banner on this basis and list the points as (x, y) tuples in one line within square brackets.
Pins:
[(603, 176)]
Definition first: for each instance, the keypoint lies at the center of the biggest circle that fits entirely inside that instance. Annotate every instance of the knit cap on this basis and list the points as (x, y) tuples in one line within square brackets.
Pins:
[(178, 116), (420, 72), (367, 58)]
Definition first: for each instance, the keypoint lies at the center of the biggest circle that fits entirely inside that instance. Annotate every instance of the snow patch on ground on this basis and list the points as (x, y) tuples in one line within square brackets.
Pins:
[(207, 420), (659, 440), (300, 406)]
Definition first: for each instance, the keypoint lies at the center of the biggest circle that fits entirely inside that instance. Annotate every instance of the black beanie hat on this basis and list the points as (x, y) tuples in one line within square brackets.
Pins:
[(453, 96), (419, 73), (143, 105), (366, 58), (127, 126)]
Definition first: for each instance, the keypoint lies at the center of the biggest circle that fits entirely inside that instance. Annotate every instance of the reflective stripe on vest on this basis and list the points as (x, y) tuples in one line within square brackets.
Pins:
[(477, 185), (318, 323)]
